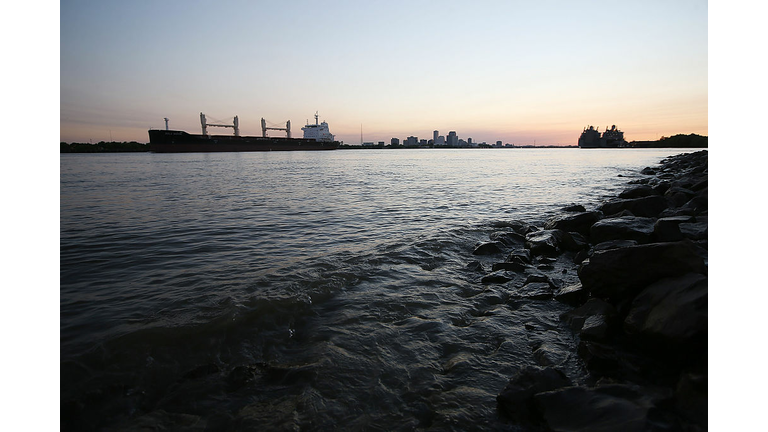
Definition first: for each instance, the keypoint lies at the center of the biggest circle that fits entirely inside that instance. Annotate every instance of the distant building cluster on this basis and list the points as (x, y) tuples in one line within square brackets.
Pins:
[(451, 140)]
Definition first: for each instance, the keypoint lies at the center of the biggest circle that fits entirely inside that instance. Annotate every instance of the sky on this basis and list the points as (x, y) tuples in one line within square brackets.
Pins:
[(520, 72)]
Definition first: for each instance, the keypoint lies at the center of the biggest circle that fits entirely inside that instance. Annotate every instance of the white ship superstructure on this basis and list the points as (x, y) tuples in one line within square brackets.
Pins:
[(317, 131)]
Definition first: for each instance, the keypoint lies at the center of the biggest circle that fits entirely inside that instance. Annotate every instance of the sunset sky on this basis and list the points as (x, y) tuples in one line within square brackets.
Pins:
[(515, 71)]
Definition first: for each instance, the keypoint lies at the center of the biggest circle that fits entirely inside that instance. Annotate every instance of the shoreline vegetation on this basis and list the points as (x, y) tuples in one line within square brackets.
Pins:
[(639, 309), (675, 141)]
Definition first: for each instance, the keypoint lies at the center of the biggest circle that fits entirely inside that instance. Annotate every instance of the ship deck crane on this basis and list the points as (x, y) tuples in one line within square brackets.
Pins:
[(264, 128), (235, 125)]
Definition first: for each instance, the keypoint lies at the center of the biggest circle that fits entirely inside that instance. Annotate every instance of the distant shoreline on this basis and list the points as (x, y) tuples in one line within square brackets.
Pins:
[(677, 141)]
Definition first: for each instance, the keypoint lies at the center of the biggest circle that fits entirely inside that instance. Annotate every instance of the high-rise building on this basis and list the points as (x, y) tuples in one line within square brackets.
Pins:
[(434, 137), (453, 139)]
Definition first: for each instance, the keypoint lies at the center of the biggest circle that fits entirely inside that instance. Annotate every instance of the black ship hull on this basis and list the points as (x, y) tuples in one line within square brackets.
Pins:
[(173, 141)]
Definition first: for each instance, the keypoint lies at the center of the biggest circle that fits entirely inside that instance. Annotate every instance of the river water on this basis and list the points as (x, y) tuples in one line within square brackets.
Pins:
[(308, 290)]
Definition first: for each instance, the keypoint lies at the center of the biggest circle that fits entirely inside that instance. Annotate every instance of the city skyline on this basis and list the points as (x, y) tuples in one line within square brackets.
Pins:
[(493, 70)]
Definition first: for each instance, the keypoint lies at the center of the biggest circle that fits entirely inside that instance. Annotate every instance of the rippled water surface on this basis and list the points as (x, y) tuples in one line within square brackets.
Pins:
[(311, 290)]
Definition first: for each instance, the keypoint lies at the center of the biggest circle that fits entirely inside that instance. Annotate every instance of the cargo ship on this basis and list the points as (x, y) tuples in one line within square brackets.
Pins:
[(611, 138), (316, 137)]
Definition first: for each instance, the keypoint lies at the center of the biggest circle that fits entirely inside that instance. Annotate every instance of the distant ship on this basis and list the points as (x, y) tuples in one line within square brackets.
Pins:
[(591, 138), (316, 137)]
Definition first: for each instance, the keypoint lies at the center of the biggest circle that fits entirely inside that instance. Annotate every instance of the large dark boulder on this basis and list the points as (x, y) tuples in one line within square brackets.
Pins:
[(608, 408), (621, 273), (667, 229), (613, 244), (574, 208), (578, 222), (672, 311), (695, 230), (638, 191), (516, 400), (650, 206), (677, 196), (623, 228)]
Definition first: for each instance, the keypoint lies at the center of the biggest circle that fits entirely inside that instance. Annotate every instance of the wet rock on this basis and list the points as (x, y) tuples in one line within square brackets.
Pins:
[(613, 244), (489, 248), (545, 242), (595, 327), (579, 222), (639, 229), (538, 277), (574, 208), (517, 399), (621, 273), (476, 266), (667, 229), (678, 196), (573, 241), (696, 205), (648, 171), (522, 256), (662, 187), (496, 277), (576, 318), (695, 231), (608, 408), (622, 213), (672, 310), (700, 185), (508, 239), (573, 295), (517, 226), (638, 192), (581, 256), (600, 358), (549, 355), (650, 206)]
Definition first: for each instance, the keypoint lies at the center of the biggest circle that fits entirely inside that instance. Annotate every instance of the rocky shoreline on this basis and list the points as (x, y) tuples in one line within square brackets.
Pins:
[(634, 271)]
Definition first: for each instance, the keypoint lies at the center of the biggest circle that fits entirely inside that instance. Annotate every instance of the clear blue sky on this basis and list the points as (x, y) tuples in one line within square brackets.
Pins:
[(515, 71)]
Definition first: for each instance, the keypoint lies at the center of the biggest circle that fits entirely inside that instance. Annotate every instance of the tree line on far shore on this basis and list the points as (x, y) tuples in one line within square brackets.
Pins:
[(675, 141), (103, 147)]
